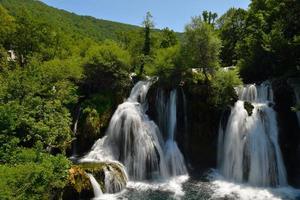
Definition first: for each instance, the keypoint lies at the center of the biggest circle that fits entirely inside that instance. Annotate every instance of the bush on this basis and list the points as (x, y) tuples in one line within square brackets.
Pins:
[(223, 83), (35, 177), (106, 68)]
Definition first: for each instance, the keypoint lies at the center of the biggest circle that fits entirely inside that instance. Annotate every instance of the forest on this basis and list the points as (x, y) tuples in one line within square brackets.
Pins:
[(62, 77)]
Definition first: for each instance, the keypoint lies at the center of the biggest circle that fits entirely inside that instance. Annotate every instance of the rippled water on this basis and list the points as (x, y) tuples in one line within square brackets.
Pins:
[(212, 186)]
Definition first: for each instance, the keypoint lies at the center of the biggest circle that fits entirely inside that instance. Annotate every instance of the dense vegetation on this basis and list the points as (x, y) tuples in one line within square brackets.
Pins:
[(64, 60)]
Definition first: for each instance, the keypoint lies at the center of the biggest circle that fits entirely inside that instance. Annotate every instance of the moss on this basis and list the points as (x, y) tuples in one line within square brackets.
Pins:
[(248, 107), (115, 170), (78, 179)]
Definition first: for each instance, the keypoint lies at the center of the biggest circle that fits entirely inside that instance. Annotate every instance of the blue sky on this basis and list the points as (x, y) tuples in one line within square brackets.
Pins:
[(174, 14)]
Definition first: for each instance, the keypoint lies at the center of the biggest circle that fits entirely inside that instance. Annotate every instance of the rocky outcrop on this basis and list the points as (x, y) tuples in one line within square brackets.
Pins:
[(110, 175), (289, 132)]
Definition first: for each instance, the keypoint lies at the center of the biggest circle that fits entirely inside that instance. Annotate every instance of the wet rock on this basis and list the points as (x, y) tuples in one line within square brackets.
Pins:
[(248, 107)]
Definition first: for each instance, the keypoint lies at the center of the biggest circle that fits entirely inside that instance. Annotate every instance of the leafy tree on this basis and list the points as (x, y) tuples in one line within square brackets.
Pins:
[(148, 25), (270, 46), (35, 175), (106, 68), (201, 47), (168, 38), (7, 26), (209, 17), (231, 27), (34, 104), (166, 61), (222, 88)]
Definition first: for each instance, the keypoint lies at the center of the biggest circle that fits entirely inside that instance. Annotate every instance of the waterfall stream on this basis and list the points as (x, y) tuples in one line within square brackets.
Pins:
[(174, 158), (136, 141), (96, 187), (248, 147)]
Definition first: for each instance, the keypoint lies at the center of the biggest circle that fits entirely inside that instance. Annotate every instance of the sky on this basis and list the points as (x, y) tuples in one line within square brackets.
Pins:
[(174, 14)]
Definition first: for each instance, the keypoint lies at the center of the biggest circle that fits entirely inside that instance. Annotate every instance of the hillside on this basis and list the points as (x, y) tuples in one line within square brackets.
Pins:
[(68, 22)]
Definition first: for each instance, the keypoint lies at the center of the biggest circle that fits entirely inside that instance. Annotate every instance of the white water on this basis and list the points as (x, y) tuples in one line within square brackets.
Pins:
[(174, 158), (132, 138), (74, 147), (114, 179), (248, 148), (135, 140), (224, 189), (96, 187)]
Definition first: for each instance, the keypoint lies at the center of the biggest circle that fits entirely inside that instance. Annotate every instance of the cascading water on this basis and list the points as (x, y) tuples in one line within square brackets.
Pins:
[(135, 140), (174, 158), (74, 144), (248, 147), (96, 187), (132, 138)]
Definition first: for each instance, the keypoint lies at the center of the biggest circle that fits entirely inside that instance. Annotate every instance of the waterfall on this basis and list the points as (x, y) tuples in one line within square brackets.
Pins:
[(133, 139), (115, 179), (248, 147), (96, 187), (167, 116), (75, 143)]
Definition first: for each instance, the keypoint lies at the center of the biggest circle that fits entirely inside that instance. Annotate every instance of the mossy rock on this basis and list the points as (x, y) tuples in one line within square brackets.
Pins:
[(248, 107), (110, 175), (79, 185)]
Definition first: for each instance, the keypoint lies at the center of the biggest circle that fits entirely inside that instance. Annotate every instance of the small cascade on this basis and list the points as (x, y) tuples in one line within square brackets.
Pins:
[(248, 147), (74, 144), (96, 187), (133, 139), (115, 178), (174, 158), (167, 120)]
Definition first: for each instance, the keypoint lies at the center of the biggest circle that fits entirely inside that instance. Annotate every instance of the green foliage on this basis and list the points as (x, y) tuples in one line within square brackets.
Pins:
[(165, 61), (168, 38), (33, 104), (223, 92), (3, 59), (209, 17), (269, 47), (33, 177), (231, 27), (78, 27), (148, 25), (7, 25), (106, 68), (201, 46)]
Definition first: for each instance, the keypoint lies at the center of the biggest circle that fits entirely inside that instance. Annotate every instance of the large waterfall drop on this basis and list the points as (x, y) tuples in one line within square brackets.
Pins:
[(136, 141), (248, 146)]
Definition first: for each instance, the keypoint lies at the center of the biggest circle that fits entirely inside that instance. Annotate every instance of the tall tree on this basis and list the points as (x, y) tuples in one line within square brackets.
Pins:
[(168, 38), (7, 26), (201, 46), (231, 28), (270, 46), (209, 17), (148, 25)]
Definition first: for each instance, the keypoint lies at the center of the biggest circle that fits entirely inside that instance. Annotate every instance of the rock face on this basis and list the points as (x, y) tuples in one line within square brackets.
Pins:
[(79, 185), (249, 107), (109, 175), (289, 132)]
